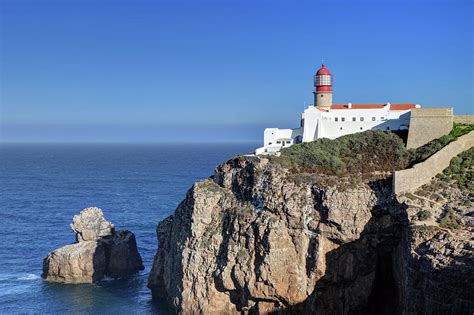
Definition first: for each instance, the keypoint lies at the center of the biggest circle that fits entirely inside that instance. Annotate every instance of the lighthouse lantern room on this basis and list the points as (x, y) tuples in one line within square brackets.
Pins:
[(323, 88)]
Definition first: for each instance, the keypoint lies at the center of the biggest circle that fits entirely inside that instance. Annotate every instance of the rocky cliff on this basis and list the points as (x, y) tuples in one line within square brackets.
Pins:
[(258, 238), (99, 251)]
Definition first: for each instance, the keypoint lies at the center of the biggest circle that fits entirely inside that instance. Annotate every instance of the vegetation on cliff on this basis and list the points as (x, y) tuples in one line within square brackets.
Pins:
[(361, 153), (364, 152), (460, 170), (460, 129)]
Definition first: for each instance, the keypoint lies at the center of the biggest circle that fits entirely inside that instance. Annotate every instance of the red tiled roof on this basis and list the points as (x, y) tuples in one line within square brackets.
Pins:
[(374, 106)]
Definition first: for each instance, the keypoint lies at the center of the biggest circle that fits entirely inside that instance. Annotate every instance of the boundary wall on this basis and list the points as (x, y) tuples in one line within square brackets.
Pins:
[(410, 179), (465, 119)]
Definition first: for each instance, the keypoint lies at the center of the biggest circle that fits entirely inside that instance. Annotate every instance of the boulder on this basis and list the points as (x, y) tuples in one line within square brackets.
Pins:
[(83, 262), (123, 258), (99, 251), (90, 225)]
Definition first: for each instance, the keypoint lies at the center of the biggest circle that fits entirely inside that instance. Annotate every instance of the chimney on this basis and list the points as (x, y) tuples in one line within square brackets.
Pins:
[(349, 105)]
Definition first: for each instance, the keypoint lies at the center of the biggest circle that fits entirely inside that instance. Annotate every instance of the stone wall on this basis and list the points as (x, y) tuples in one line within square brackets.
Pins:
[(412, 178), (465, 119), (427, 124)]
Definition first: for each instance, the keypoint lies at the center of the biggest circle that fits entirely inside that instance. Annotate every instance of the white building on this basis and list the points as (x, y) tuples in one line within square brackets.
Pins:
[(327, 120)]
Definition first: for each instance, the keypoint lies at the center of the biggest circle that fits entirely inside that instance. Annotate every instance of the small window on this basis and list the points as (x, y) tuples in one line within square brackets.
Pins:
[(269, 143), (336, 119), (381, 118), (341, 128), (373, 118), (288, 141), (279, 142), (388, 128), (322, 95), (360, 128), (362, 119), (353, 119), (343, 119)]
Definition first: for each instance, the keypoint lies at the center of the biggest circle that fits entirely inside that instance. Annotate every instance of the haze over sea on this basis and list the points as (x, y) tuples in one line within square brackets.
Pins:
[(43, 185)]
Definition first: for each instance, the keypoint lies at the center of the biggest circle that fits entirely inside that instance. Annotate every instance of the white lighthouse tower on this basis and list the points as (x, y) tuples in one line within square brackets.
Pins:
[(323, 88)]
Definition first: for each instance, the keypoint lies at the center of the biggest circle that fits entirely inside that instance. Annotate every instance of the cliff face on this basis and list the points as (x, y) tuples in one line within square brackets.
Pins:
[(257, 238)]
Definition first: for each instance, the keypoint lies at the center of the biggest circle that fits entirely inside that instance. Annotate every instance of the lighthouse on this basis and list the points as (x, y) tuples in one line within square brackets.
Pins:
[(323, 88), (327, 120)]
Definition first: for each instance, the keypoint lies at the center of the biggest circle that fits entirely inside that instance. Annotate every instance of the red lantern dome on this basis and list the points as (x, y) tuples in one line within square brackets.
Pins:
[(323, 70), (323, 80)]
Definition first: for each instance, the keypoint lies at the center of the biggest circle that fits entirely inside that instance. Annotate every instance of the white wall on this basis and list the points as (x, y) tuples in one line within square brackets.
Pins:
[(272, 135), (311, 116), (392, 120)]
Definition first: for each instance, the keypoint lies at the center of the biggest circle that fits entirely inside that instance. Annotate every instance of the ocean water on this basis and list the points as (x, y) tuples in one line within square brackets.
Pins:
[(43, 185)]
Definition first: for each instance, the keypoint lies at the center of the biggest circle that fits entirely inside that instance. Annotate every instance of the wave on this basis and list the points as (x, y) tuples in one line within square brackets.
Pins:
[(16, 283), (28, 276), (18, 276)]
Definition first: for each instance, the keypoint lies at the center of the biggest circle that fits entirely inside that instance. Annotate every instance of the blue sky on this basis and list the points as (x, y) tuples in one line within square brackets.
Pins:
[(153, 71)]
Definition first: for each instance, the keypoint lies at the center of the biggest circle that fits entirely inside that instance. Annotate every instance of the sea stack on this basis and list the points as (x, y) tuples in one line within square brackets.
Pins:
[(99, 251)]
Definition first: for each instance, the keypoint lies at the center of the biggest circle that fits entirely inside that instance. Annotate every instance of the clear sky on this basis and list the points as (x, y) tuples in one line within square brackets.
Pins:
[(126, 71)]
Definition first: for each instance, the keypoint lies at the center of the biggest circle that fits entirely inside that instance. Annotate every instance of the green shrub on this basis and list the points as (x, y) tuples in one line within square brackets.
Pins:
[(423, 215), (460, 129), (460, 170), (422, 153), (364, 152), (449, 221)]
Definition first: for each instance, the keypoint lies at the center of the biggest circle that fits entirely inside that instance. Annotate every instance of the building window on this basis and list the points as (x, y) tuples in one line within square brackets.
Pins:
[(373, 118), (278, 142), (353, 119), (269, 143), (341, 128), (336, 119), (322, 95), (388, 128), (360, 128), (343, 119), (362, 119), (288, 141), (381, 118)]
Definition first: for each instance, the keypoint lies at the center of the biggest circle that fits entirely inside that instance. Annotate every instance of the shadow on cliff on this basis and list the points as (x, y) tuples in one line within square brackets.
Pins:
[(99, 261), (361, 276)]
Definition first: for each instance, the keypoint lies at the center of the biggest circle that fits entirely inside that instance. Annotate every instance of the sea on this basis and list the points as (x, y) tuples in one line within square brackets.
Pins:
[(42, 186)]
